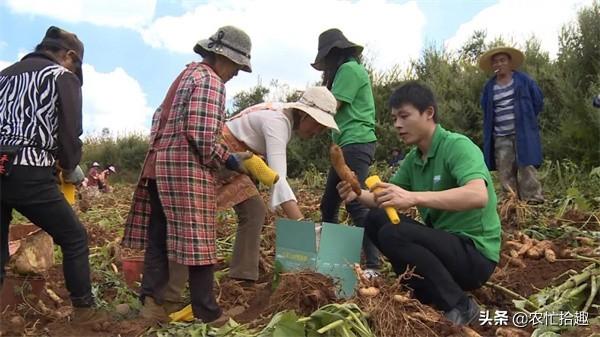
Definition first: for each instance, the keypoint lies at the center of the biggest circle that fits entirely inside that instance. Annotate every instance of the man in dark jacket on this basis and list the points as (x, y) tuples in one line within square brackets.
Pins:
[(40, 125), (511, 103)]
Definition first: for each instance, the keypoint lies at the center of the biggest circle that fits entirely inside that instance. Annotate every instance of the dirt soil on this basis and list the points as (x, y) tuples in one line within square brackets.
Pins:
[(303, 292)]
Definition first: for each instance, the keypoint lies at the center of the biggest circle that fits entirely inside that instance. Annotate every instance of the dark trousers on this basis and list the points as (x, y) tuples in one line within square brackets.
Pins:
[(448, 263), (156, 266), (358, 157), (33, 192)]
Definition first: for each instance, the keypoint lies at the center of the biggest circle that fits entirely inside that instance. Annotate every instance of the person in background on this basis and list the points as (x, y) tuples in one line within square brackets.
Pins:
[(511, 102), (396, 158), (343, 74), (596, 101), (93, 175), (173, 213), (457, 246), (103, 185), (40, 126)]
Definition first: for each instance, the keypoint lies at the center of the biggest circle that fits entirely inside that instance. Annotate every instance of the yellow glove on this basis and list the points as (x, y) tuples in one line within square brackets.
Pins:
[(67, 189), (390, 211), (258, 169)]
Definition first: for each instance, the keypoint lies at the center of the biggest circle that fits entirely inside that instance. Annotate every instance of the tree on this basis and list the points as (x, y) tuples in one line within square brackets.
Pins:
[(245, 99)]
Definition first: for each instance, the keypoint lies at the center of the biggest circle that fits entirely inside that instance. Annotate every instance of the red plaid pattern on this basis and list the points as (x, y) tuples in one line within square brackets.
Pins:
[(187, 153)]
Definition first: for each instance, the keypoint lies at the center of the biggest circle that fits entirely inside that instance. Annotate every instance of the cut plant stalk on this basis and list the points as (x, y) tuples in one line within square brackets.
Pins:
[(512, 294), (595, 285)]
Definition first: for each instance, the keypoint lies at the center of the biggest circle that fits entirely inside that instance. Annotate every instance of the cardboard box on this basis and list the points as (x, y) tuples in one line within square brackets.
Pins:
[(338, 250)]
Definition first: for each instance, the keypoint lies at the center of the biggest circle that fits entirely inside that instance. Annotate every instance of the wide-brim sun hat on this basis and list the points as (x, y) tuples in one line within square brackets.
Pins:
[(228, 41), (329, 39), (516, 58), (320, 104)]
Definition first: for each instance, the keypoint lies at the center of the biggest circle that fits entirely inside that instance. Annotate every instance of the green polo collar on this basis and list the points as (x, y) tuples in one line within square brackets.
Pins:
[(438, 136)]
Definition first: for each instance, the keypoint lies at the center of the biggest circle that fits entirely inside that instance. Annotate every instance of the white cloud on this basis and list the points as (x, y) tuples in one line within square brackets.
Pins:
[(114, 100), (113, 13), (518, 20), (285, 33), (4, 64)]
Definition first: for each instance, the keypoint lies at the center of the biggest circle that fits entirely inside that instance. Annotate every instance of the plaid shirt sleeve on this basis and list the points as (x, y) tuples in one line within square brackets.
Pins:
[(205, 119)]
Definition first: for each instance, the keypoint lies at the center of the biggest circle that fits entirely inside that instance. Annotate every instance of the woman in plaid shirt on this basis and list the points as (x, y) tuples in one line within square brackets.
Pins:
[(174, 206)]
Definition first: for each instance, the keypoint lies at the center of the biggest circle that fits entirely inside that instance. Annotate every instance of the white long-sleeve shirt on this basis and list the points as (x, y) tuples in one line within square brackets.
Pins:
[(267, 128)]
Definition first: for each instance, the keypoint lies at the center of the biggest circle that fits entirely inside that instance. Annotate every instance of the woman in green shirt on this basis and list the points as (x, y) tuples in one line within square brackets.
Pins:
[(348, 80)]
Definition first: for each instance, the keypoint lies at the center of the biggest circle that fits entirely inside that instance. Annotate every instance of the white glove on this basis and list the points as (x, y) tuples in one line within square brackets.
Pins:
[(75, 176)]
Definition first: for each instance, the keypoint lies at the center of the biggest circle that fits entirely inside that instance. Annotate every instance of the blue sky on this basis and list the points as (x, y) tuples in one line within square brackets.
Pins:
[(135, 48)]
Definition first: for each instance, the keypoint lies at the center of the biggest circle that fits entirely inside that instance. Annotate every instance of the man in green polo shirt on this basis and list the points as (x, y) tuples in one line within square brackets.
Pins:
[(445, 177)]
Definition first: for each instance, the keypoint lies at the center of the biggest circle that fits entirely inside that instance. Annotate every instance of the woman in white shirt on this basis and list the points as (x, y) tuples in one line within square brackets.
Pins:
[(265, 129)]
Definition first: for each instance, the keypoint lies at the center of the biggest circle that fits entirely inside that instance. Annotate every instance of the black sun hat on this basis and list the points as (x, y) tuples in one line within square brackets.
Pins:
[(60, 38), (329, 39)]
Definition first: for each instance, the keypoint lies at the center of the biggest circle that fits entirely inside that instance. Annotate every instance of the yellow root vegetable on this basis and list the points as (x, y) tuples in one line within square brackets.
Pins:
[(343, 171), (550, 255), (368, 292), (535, 252), (401, 298)]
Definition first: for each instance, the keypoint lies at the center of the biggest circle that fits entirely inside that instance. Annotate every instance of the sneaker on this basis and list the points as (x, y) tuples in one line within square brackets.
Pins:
[(153, 311), (88, 316), (370, 274), (463, 317)]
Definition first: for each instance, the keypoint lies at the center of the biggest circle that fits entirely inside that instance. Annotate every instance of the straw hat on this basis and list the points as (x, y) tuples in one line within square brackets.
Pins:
[(320, 104), (231, 42), (516, 58), (329, 39)]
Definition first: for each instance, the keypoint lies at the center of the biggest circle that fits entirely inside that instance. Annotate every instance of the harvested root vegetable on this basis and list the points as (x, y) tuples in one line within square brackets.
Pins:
[(514, 244), (528, 247), (368, 292), (515, 261), (550, 255), (362, 280), (343, 171), (535, 252), (585, 241), (401, 298)]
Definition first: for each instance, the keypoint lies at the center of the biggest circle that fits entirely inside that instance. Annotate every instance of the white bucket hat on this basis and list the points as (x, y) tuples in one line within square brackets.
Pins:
[(231, 42), (320, 104)]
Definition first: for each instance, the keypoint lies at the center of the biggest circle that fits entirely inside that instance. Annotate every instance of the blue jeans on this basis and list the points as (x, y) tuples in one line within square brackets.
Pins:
[(358, 157)]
